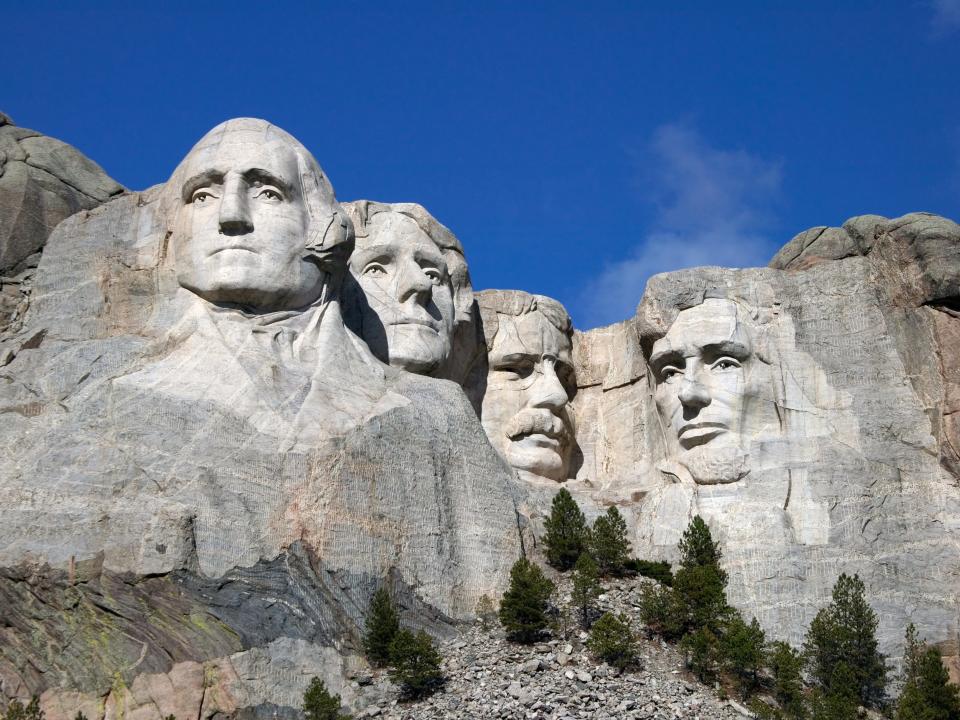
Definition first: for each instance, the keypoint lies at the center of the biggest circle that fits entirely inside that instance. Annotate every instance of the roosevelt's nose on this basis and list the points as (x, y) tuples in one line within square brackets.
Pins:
[(547, 391), (693, 393), (235, 208), (413, 283)]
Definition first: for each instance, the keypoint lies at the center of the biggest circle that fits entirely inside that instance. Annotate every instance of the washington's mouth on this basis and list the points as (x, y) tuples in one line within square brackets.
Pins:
[(538, 439), (695, 434)]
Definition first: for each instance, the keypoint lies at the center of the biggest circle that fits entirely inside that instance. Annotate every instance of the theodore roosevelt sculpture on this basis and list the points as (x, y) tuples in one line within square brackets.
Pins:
[(530, 382), (409, 293)]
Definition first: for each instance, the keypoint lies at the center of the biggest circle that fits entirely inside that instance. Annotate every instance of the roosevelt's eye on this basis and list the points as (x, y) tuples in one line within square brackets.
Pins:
[(669, 374), (726, 363), (270, 194), (201, 196), (375, 270)]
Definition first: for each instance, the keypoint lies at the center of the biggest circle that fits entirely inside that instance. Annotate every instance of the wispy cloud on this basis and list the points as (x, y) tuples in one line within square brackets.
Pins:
[(946, 17), (714, 207)]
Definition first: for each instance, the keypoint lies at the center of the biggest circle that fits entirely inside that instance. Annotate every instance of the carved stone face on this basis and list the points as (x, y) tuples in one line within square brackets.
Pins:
[(702, 369), (529, 385), (243, 222), (408, 292)]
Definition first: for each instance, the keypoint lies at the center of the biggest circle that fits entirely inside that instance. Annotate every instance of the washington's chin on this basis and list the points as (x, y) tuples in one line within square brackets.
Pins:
[(246, 284), (538, 455)]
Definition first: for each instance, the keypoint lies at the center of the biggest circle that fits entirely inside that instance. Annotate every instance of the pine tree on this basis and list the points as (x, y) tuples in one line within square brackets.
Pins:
[(586, 588), (485, 611), (927, 692), (319, 704), (702, 648), (612, 641), (786, 667), (608, 542), (742, 648), (381, 626), (17, 711), (523, 608), (839, 701), (842, 643), (414, 663), (700, 583), (566, 531)]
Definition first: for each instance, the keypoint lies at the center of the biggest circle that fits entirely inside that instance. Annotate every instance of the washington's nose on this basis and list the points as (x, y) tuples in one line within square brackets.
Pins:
[(693, 393), (547, 391), (234, 209), (413, 283)]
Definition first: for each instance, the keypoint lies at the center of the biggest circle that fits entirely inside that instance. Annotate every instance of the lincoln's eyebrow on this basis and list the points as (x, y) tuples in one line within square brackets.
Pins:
[(731, 348), (207, 177), (666, 356)]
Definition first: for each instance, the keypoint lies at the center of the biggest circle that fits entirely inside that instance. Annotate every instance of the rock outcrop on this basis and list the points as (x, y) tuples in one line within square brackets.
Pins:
[(815, 404)]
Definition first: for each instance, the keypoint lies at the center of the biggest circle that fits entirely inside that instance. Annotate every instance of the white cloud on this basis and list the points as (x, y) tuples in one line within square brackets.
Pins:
[(946, 16), (713, 207)]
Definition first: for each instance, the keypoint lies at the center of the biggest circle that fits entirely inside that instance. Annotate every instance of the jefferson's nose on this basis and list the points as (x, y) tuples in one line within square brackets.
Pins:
[(234, 208), (693, 393), (547, 391), (412, 282)]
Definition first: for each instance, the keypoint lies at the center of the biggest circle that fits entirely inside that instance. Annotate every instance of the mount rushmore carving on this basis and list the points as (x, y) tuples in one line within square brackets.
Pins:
[(234, 408)]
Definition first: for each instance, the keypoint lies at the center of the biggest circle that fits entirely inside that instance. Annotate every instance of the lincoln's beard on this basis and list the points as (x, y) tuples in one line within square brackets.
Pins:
[(715, 465)]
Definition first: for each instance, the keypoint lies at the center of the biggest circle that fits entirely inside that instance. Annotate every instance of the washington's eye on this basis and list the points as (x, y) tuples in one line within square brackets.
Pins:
[(433, 274), (375, 270), (726, 364), (201, 196), (268, 193)]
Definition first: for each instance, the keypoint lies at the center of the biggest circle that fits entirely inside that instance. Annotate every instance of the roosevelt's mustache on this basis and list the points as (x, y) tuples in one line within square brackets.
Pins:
[(535, 421)]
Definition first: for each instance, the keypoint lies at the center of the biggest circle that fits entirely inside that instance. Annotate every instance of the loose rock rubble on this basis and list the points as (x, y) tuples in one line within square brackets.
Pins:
[(489, 677)]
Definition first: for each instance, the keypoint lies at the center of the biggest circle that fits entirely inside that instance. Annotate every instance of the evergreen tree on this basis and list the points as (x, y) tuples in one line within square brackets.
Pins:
[(839, 701), (486, 612), (381, 626), (743, 655), (79, 715), (703, 652), (586, 587), (661, 611), (927, 692), (700, 583), (566, 531), (612, 641), (414, 663), (523, 608), (17, 711), (608, 542), (841, 646), (786, 666), (319, 704)]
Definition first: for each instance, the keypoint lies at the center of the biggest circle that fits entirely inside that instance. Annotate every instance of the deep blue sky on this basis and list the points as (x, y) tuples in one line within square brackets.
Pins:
[(575, 149)]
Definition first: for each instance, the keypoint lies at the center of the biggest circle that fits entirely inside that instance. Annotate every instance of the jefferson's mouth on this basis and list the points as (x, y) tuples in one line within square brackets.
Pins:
[(416, 321), (695, 434)]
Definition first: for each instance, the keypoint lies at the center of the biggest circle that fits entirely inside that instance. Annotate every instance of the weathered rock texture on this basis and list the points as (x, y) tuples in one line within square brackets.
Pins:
[(42, 181), (847, 416), (205, 497)]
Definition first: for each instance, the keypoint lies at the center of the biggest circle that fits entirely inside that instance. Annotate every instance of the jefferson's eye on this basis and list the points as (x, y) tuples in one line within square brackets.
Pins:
[(726, 364), (516, 370), (201, 196), (375, 270), (268, 193)]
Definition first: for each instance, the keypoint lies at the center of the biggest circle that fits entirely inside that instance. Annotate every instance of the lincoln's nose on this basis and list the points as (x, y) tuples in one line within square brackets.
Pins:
[(694, 394)]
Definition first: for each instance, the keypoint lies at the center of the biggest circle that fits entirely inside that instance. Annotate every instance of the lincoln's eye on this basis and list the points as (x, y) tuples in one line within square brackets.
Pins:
[(726, 364), (201, 196), (669, 374), (375, 270)]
